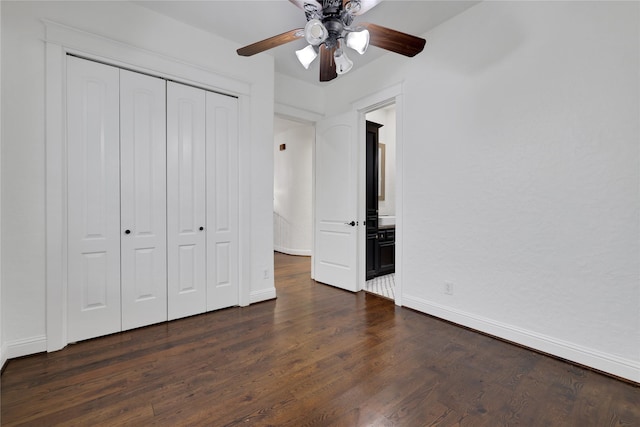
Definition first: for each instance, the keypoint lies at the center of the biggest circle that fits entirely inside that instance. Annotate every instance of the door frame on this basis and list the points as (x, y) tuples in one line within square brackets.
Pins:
[(375, 101), (61, 40), (310, 117)]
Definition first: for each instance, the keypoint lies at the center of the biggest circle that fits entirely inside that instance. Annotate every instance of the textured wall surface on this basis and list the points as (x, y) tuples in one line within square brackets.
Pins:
[(521, 174)]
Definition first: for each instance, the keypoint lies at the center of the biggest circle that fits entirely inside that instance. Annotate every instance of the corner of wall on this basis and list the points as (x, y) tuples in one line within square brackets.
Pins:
[(3, 352)]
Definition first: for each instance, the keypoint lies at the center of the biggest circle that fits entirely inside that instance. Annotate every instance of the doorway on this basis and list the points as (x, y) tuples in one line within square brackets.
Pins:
[(292, 186), (380, 201), (339, 214)]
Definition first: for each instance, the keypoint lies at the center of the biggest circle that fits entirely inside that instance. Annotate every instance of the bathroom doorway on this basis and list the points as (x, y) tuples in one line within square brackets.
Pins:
[(380, 201)]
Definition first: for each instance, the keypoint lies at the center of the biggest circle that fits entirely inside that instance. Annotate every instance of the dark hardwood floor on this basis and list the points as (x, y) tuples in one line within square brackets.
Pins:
[(315, 356)]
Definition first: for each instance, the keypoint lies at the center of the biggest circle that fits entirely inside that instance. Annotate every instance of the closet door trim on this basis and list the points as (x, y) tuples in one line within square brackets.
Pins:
[(60, 41)]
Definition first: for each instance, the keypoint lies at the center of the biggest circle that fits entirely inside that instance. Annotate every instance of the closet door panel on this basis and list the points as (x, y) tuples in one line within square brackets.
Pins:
[(222, 201), (143, 199), (186, 200), (93, 291)]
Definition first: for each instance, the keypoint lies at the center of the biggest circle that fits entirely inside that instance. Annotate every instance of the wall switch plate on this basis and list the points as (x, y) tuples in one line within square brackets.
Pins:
[(448, 288)]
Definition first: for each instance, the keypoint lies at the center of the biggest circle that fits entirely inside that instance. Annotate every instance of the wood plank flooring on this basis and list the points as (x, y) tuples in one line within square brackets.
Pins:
[(315, 356)]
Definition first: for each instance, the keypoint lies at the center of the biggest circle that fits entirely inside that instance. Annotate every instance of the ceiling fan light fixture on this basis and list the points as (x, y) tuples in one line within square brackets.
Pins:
[(358, 40), (353, 7), (315, 32), (343, 63), (306, 55), (328, 30)]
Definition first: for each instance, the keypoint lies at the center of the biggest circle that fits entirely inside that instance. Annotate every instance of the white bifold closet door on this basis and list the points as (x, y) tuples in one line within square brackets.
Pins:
[(202, 216), (186, 208), (222, 201), (116, 200), (152, 200), (93, 141), (143, 199)]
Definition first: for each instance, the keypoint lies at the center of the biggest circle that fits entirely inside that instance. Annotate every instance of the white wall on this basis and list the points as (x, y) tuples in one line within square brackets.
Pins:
[(292, 186), (300, 99), (387, 135), (3, 356), (293, 225), (23, 142), (521, 174)]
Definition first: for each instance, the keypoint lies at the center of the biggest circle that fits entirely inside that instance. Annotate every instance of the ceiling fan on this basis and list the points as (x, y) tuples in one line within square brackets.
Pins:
[(329, 29)]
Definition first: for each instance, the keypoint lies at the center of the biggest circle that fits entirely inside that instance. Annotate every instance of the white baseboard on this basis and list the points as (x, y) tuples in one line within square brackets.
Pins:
[(263, 295), (612, 364), (25, 347), (289, 251), (3, 355)]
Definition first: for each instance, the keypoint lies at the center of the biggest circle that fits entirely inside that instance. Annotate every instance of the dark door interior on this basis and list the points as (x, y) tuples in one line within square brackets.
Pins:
[(372, 199), (381, 248)]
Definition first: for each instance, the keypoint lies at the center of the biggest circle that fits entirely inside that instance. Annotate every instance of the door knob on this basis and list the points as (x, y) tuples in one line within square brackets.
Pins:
[(201, 228), (352, 223), (127, 231)]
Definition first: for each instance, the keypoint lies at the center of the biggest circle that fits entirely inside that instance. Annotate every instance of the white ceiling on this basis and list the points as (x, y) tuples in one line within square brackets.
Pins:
[(245, 22)]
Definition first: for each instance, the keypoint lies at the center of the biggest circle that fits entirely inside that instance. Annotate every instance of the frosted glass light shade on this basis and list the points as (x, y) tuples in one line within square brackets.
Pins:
[(343, 63), (358, 41), (315, 32), (306, 55)]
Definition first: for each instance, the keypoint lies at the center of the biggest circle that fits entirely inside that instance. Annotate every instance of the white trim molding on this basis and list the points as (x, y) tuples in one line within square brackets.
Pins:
[(618, 366), (390, 95), (25, 347), (263, 295), (289, 251), (379, 99), (3, 355), (296, 113), (134, 58)]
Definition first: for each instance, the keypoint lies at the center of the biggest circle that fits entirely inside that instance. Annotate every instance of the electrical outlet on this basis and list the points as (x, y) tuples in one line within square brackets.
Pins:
[(448, 288), (266, 274)]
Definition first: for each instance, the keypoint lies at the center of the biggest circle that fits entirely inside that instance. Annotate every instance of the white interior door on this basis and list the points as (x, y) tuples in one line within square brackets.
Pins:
[(143, 199), (93, 294), (222, 201), (336, 202), (186, 250)]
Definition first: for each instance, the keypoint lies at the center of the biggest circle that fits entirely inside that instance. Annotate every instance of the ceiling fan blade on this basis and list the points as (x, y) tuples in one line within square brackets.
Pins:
[(327, 64), (359, 6), (395, 41), (271, 42)]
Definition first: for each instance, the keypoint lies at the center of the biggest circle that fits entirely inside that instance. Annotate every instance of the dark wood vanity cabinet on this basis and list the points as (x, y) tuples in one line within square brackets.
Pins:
[(372, 251), (380, 240), (386, 250), (381, 252)]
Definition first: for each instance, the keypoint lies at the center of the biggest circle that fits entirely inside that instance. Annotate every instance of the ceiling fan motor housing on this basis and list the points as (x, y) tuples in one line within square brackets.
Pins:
[(335, 28)]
